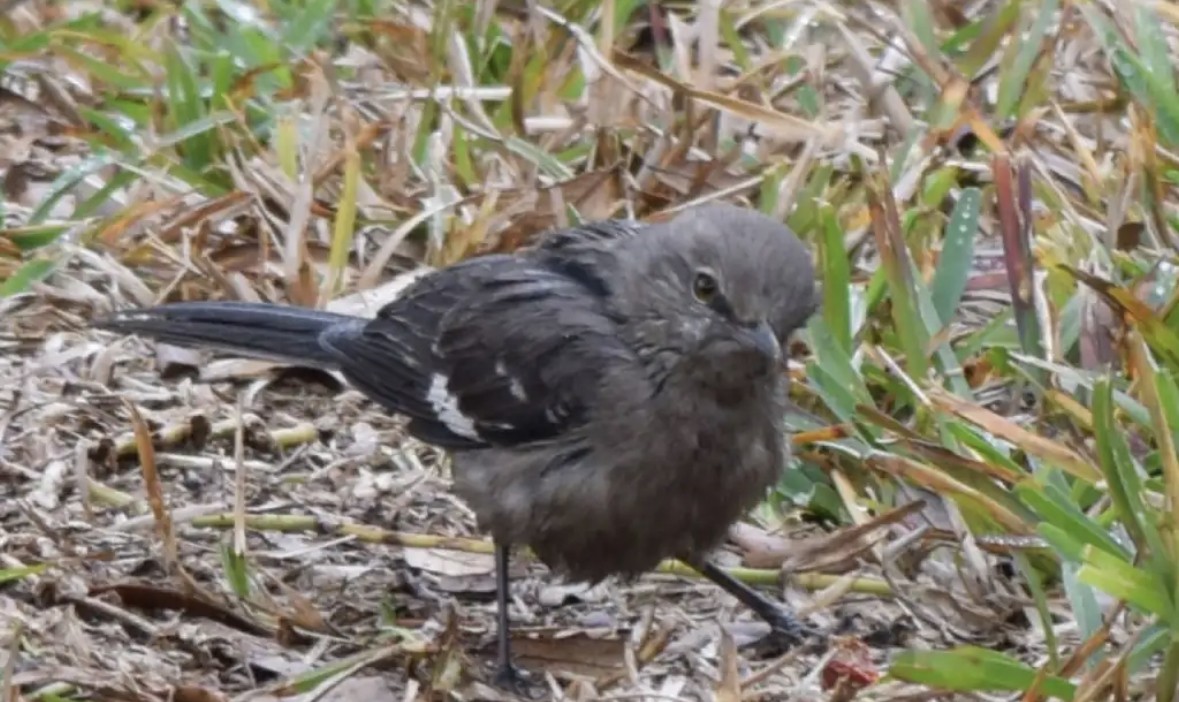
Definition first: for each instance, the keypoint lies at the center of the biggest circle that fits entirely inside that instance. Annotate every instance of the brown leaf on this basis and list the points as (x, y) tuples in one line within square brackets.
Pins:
[(152, 598), (191, 693), (849, 669), (130, 216), (835, 552), (155, 491), (728, 688), (525, 213), (216, 209), (449, 562), (938, 481), (1004, 428), (31, 118), (576, 652), (306, 615), (784, 126), (1101, 328), (1129, 235)]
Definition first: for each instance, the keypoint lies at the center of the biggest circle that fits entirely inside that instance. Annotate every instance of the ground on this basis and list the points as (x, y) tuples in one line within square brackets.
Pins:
[(336, 491), (118, 609), (988, 191)]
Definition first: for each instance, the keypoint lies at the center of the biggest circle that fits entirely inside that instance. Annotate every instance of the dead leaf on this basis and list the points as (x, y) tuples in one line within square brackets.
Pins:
[(152, 598), (837, 552), (153, 486), (192, 693), (1004, 428), (784, 126), (850, 668), (448, 562), (728, 689), (569, 652)]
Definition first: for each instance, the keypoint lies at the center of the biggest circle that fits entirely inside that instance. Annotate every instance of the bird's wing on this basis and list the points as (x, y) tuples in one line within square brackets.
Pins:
[(495, 351), (592, 234), (581, 252)]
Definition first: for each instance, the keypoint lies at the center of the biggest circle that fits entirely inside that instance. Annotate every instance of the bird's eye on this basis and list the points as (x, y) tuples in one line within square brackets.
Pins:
[(704, 287)]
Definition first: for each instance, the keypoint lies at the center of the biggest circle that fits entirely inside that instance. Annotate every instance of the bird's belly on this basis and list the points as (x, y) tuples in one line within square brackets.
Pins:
[(627, 524), (631, 542), (597, 515)]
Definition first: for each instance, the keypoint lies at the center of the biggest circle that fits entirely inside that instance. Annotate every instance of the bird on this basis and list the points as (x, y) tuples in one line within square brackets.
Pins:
[(610, 396)]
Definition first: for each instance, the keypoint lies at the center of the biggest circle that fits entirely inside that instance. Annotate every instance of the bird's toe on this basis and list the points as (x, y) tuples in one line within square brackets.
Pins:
[(513, 680), (787, 632)]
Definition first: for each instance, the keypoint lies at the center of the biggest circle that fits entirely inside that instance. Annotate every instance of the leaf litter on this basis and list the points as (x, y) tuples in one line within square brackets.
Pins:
[(191, 528)]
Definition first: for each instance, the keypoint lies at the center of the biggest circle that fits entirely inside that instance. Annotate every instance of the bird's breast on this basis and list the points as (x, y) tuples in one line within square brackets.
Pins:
[(676, 485), (653, 480)]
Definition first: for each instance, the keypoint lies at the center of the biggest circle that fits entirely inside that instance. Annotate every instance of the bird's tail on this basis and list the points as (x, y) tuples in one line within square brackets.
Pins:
[(273, 332)]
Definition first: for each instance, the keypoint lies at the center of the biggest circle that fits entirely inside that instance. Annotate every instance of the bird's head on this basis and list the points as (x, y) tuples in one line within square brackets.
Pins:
[(717, 291)]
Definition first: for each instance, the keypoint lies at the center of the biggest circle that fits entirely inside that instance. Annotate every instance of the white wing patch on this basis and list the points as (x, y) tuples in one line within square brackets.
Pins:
[(446, 408), (514, 385)]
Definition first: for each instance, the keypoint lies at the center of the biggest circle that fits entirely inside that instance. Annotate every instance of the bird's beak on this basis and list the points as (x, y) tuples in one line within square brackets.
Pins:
[(762, 338)]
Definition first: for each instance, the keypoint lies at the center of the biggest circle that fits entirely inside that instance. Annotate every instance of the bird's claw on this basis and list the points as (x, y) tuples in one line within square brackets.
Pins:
[(511, 679), (787, 632)]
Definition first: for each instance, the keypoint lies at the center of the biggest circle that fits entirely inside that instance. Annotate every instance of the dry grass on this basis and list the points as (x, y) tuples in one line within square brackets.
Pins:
[(987, 400)]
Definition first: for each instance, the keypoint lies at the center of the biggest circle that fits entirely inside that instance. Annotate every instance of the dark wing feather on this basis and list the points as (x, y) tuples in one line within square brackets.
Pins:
[(601, 233), (497, 350), (391, 358), (583, 252)]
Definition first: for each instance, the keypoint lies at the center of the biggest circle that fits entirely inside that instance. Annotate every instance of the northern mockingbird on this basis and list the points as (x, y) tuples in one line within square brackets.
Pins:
[(610, 397)]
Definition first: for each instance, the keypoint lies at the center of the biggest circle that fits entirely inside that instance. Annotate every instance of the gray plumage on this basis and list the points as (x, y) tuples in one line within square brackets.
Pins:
[(611, 397)]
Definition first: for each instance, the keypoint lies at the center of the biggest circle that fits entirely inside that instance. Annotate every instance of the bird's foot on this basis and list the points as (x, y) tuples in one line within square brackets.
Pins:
[(787, 632), (511, 679)]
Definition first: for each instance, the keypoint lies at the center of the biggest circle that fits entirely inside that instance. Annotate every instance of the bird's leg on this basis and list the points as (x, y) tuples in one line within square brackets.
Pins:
[(785, 626), (507, 676)]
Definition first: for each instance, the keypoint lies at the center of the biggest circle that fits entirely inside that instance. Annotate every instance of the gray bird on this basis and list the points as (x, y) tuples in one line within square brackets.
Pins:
[(610, 397)]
